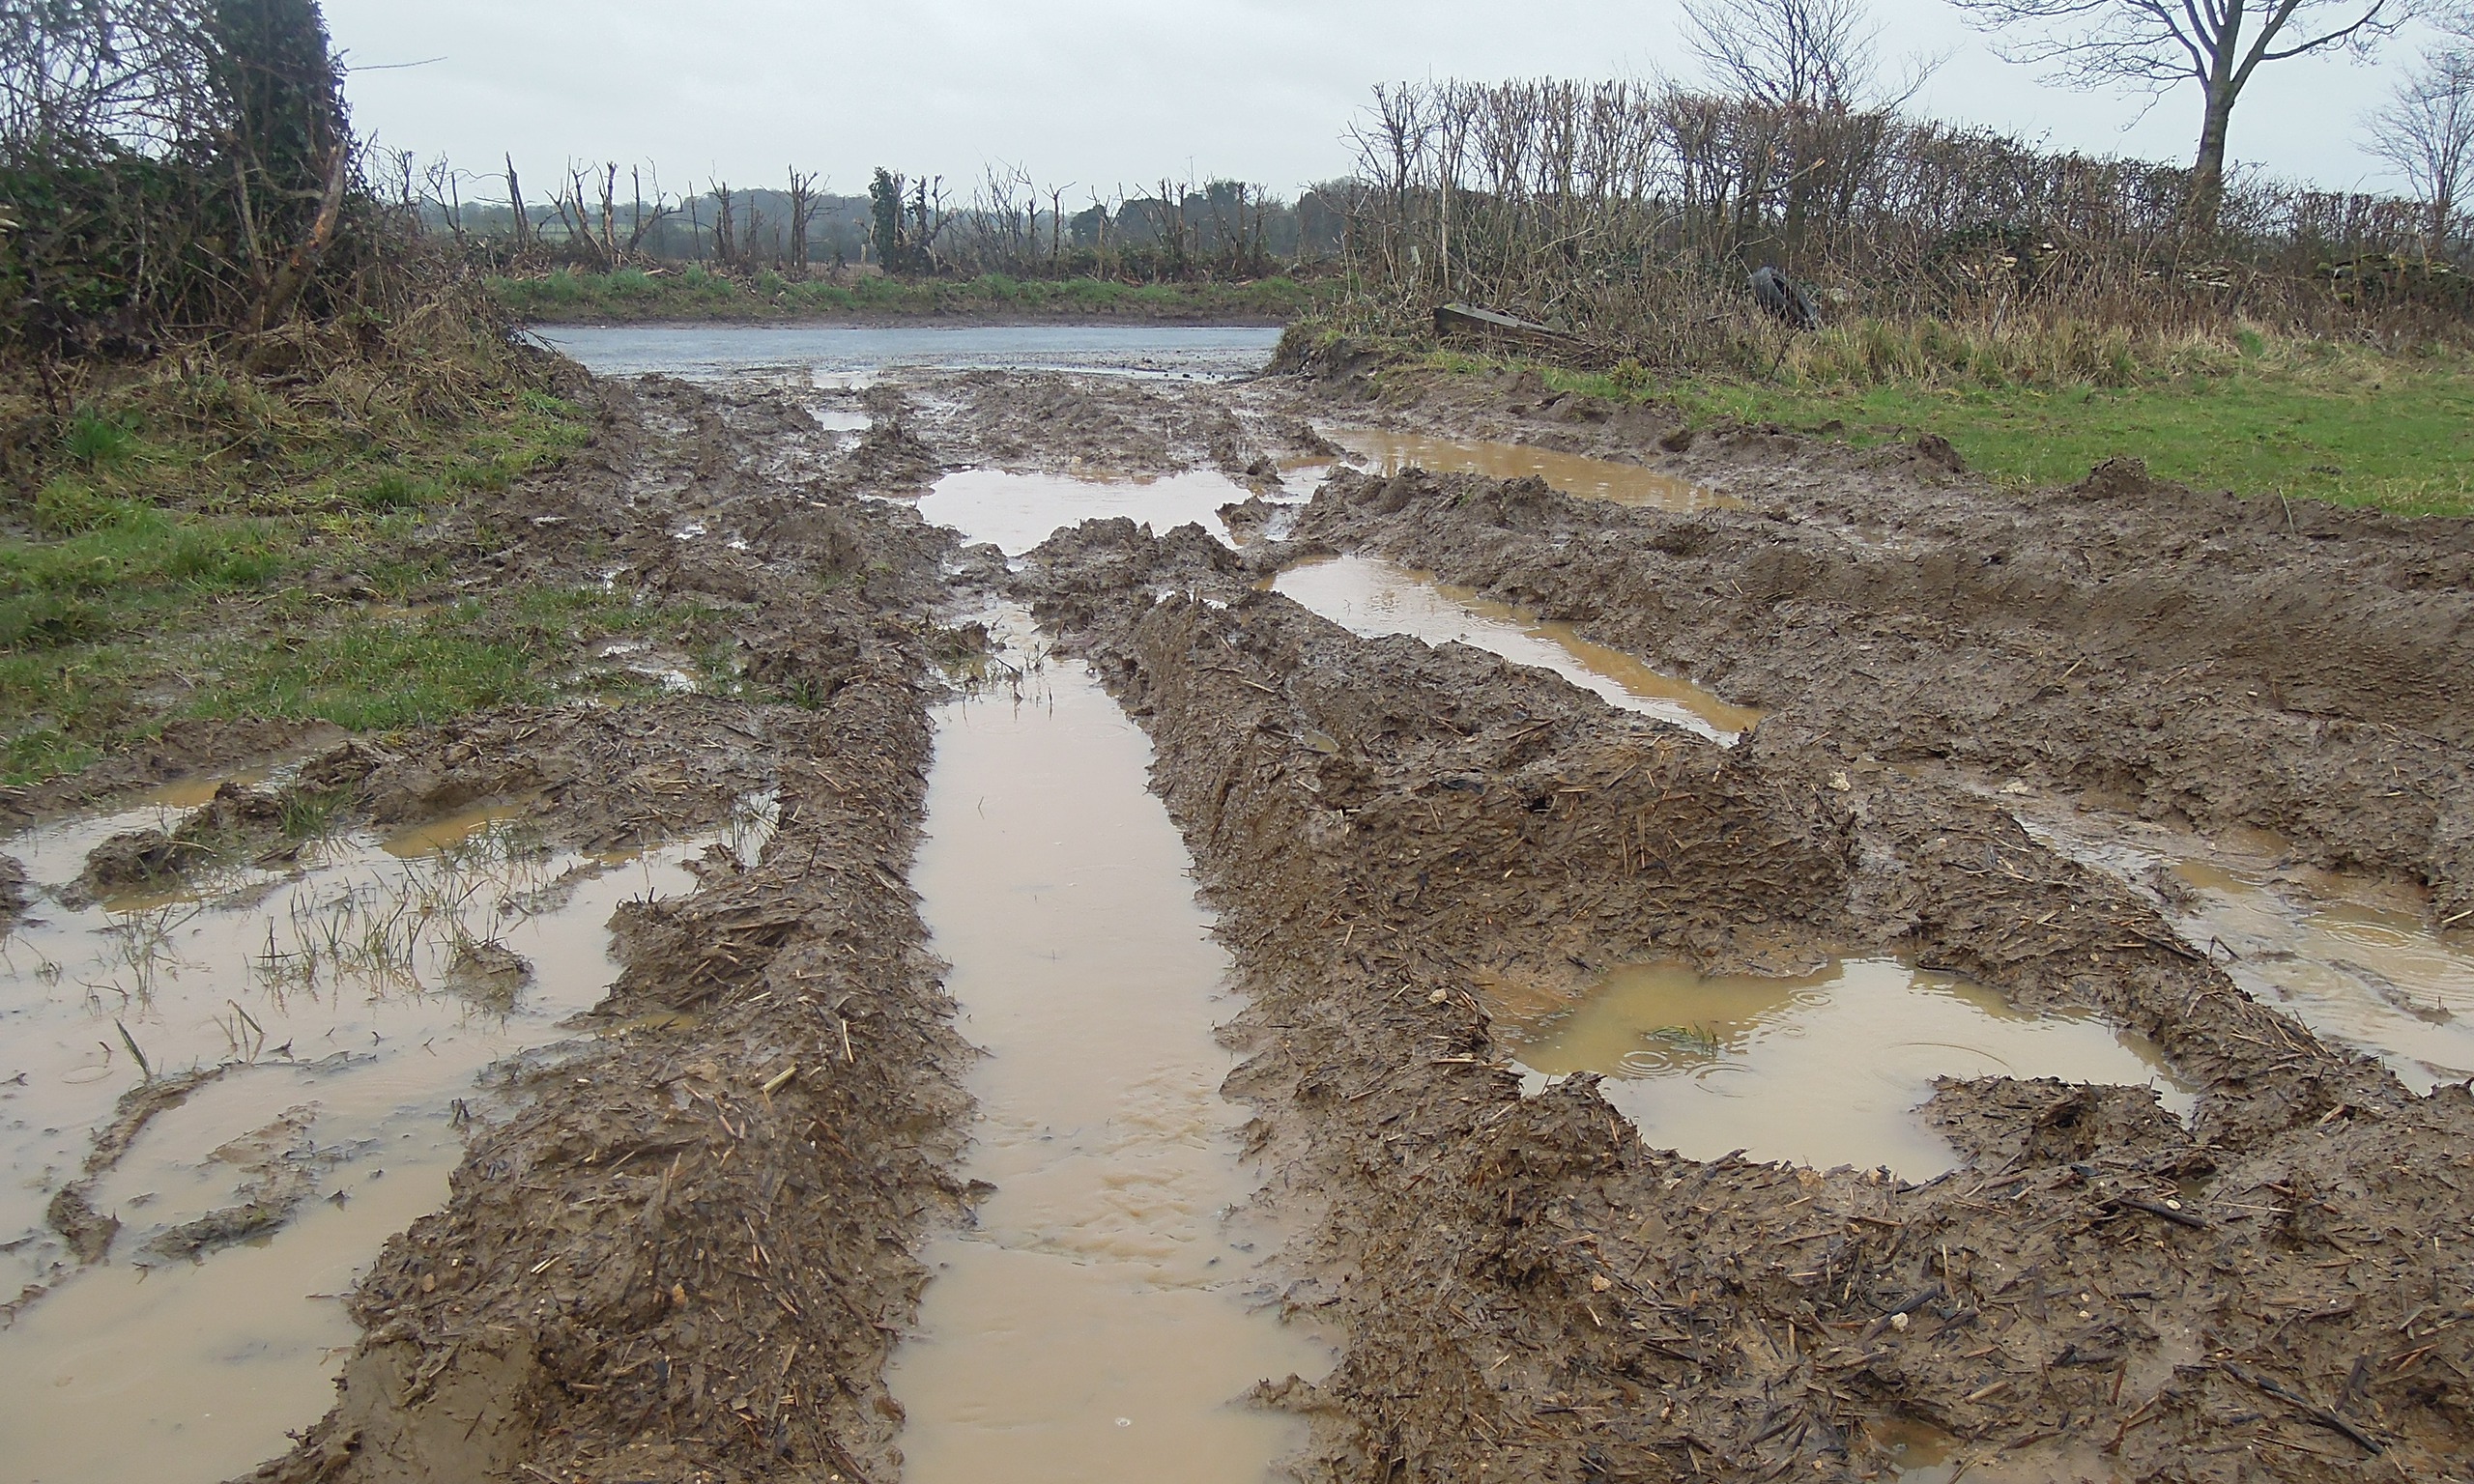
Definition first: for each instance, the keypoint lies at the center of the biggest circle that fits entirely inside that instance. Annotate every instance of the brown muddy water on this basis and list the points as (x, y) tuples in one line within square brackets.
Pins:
[(2352, 959), (1102, 1319), (1372, 597), (1623, 484), (1019, 511), (348, 1007), (1825, 1069)]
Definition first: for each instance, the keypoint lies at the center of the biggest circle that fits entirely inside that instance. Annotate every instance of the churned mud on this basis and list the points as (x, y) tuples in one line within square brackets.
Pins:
[(1405, 841), (1717, 957)]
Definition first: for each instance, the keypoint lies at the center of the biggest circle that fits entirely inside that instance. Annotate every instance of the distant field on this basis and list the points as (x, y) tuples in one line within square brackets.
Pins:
[(634, 296), (2301, 419)]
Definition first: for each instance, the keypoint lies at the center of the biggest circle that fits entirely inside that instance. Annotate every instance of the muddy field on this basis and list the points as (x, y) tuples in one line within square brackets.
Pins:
[(688, 1244)]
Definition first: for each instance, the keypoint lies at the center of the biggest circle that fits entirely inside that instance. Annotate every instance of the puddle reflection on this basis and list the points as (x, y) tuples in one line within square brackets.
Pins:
[(1019, 512), (2349, 957), (1373, 597), (1099, 1323), (2353, 967), (1825, 1069), (1623, 484)]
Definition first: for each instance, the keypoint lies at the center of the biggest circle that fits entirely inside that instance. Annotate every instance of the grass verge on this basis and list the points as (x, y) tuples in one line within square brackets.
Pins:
[(693, 293), (2246, 411), (204, 545)]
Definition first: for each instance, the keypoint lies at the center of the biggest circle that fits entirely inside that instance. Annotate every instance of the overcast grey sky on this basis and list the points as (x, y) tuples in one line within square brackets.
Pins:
[(1110, 91)]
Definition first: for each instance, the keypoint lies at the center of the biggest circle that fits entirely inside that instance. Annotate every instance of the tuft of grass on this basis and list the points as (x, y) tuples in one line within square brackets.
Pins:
[(94, 438), (376, 675)]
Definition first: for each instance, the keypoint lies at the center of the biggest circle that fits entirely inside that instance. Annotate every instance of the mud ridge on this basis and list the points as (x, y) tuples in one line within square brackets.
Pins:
[(2149, 652)]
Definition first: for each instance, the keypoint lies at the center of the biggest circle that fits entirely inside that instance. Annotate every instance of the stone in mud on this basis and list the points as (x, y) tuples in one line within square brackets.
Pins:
[(135, 858), (488, 972), (1933, 449), (2122, 479), (88, 1232)]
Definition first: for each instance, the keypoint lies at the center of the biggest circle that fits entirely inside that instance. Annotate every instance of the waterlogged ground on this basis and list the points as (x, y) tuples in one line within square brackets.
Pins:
[(1102, 1320), (1819, 980), (1371, 597), (316, 1031)]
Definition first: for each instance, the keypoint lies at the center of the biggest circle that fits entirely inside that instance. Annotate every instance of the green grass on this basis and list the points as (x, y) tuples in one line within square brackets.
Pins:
[(692, 292), (171, 564), (2251, 413), (377, 673)]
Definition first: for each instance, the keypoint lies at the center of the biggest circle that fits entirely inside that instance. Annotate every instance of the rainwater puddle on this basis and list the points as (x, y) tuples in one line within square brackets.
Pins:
[(353, 1005), (1373, 597), (1625, 484), (1019, 512), (2346, 956), (1100, 1322), (1825, 1070), (2356, 965)]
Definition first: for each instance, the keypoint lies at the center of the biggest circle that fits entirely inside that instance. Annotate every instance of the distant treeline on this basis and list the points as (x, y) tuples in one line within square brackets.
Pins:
[(1636, 209), (607, 219)]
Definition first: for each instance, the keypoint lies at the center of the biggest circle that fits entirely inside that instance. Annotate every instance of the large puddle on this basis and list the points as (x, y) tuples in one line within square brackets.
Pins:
[(1373, 597), (836, 353), (352, 1003), (1019, 511), (2349, 957), (1101, 1322), (1825, 1070), (1625, 484)]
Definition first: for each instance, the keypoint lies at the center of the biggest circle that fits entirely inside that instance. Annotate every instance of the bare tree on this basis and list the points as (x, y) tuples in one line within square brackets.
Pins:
[(1790, 53), (519, 223), (2427, 132), (804, 210), (2156, 45)]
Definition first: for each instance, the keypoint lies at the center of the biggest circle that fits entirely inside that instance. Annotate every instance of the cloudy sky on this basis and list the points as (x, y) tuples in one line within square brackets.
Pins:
[(1110, 91)]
